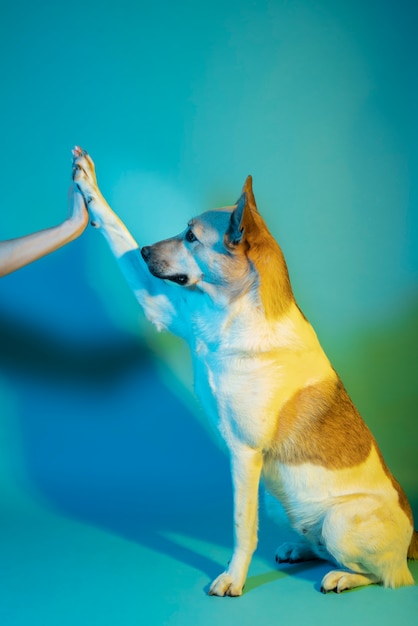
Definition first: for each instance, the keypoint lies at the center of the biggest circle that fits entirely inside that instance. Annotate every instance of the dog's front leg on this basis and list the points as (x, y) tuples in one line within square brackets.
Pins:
[(151, 292), (246, 465), (120, 240)]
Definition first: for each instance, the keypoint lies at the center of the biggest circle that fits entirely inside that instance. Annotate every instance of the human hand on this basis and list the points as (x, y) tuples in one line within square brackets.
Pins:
[(78, 215), (84, 177)]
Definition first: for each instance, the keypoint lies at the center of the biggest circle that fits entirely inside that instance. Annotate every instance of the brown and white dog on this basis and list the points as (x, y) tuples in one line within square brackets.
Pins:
[(268, 387)]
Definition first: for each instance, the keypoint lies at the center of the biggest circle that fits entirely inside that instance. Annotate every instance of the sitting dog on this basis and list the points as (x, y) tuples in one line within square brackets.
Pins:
[(268, 387)]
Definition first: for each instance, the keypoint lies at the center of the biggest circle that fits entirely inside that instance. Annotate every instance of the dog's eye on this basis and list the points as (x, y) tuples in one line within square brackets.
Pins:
[(181, 279), (190, 237)]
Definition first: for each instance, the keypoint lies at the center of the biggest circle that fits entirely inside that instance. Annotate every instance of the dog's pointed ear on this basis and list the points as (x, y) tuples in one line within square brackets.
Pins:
[(242, 221), (248, 189)]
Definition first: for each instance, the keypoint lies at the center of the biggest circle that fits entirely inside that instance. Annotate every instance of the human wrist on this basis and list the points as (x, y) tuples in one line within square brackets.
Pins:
[(74, 225)]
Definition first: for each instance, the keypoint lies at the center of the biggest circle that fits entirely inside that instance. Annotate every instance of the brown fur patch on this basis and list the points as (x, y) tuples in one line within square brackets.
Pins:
[(321, 425), (413, 546), (266, 256), (275, 289)]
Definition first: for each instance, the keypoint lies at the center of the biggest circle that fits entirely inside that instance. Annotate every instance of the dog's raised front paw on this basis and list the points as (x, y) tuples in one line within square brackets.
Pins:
[(225, 585), (84, 174)]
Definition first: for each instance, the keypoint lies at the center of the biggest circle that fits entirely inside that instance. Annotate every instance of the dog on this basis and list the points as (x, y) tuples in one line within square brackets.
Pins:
[(270, 391)]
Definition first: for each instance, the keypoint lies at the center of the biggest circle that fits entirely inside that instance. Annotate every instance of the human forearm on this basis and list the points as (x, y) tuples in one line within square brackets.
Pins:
[(15, 253)]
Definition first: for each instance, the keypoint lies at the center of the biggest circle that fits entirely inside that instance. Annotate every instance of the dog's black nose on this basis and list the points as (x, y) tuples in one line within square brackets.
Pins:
[(146, 252)]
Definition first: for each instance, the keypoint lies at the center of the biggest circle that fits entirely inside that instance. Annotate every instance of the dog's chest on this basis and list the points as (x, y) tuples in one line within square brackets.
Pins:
[(245, 369), (238, 389)]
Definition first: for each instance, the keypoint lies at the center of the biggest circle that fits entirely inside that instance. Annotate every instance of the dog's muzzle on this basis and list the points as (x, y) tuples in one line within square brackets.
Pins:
[(180, 279), (146, 253)]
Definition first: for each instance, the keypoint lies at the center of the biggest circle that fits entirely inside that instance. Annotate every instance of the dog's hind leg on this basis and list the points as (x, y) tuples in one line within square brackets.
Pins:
[(338, 581), (368, 535)]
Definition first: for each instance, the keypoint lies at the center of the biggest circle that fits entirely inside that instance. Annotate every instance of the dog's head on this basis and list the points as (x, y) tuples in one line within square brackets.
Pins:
[(226, 251)]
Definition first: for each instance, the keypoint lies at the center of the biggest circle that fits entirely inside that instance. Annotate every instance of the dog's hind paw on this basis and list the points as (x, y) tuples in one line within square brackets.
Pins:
[(225, 585), (341, 581), (294, 553)]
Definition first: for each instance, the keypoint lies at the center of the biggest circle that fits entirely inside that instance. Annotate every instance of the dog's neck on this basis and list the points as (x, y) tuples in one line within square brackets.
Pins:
[(242, 326)]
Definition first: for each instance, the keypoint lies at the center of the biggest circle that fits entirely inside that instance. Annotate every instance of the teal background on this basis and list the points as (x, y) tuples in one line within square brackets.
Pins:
[(115, 502)]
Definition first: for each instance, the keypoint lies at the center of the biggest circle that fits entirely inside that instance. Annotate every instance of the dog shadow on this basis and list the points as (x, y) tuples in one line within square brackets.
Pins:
[(108, 443), (105, 441)]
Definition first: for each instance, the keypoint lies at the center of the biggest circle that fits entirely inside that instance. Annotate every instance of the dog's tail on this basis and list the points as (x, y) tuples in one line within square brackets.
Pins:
[(413, 546)]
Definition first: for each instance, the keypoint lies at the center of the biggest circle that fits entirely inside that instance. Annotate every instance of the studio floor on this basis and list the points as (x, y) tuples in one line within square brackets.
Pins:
[(60, 571)]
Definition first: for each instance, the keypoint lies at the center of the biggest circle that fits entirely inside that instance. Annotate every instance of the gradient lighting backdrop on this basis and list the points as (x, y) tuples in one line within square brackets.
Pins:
[(115, 500)]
